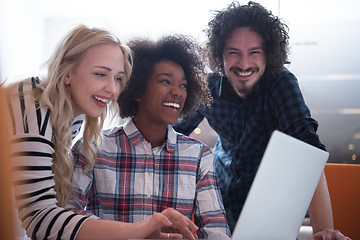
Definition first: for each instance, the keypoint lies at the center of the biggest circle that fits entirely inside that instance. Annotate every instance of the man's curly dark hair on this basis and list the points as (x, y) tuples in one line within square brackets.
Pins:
[(181, 49), (273, 32)]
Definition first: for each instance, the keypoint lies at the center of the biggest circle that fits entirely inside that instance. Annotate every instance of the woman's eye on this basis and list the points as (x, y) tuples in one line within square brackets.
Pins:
[(165, 81), (119, 79), (100, 74), (184, 85)]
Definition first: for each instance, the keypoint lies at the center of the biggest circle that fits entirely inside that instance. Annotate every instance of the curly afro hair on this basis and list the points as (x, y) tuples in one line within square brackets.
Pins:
[(180, 49)]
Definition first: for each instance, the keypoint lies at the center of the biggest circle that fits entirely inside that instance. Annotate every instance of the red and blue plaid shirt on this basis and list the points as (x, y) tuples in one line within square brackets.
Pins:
[(131, 180)]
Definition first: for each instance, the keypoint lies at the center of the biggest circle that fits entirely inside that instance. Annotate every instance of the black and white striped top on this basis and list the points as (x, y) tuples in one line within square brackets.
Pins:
[(32, 148)]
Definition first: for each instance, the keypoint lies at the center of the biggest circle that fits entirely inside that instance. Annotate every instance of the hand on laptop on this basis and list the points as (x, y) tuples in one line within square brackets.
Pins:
[(329, 234), (181, 226)]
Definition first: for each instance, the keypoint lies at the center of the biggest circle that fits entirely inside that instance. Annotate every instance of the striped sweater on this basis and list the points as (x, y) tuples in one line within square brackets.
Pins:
[(32, 149)]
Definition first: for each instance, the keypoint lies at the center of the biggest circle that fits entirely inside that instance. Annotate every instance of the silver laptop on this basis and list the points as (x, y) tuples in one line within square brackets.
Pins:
[(281, 191)]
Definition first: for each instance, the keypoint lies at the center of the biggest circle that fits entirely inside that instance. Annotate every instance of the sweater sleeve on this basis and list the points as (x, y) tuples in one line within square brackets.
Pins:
[(189, 123), (32, 149), (209, 213)]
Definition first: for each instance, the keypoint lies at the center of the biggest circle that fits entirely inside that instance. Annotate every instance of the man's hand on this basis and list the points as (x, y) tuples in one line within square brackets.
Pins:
[(329, 234)]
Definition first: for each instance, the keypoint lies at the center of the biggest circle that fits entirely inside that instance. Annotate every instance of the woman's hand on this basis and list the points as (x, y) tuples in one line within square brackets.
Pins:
[(151, 227), (175, 225)]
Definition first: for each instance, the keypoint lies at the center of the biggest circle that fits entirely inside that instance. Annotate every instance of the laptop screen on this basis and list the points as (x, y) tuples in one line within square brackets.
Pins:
[(282, 190)]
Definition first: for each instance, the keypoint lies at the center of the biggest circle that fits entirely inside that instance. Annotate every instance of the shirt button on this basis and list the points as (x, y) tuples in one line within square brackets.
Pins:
[(149, 195)]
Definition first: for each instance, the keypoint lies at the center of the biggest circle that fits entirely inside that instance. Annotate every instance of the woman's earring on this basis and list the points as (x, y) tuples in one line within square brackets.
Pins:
[(67, 80)]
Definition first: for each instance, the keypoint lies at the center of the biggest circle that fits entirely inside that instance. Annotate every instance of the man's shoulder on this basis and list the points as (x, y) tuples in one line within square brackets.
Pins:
[(214, 78), (283, 80), (285, 75), (215, 84)]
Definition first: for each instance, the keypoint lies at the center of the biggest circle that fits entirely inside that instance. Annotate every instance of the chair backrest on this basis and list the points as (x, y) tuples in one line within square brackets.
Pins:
[(7, 218), (344, 186)]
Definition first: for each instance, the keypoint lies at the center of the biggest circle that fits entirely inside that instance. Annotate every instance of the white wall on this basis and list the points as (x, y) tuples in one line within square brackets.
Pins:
[(21, 40), (30, 29)]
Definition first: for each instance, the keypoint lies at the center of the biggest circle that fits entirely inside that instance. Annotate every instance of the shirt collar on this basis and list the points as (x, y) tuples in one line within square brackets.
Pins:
[(135, 135), (132, 132)]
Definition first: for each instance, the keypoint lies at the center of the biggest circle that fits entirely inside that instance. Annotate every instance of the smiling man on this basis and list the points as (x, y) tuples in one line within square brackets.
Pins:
[(253, 95), (244, 60)]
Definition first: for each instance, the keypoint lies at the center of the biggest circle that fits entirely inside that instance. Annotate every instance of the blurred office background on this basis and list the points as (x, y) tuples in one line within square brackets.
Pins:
[(323, 38)]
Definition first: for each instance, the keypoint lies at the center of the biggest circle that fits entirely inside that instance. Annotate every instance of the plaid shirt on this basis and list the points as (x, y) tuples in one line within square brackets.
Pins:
[(245, 126), (130, 180)]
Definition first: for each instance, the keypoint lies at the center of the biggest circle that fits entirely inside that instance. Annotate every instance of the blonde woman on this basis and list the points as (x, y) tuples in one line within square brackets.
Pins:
[(85, 74)]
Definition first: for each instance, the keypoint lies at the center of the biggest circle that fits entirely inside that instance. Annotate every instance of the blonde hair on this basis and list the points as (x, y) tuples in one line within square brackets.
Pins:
[(56, 96)]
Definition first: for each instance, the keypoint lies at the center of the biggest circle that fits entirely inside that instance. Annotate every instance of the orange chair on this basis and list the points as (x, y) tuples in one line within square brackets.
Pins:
[(344, 186), (7, 218)]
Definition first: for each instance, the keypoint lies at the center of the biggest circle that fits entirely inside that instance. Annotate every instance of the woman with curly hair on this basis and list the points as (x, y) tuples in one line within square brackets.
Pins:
[(253, 95), (145, 166), (85, 75)]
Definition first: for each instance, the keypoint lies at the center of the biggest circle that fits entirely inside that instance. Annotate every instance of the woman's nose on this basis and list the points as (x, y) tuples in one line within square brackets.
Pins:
[(176, 91), (111, 85)]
